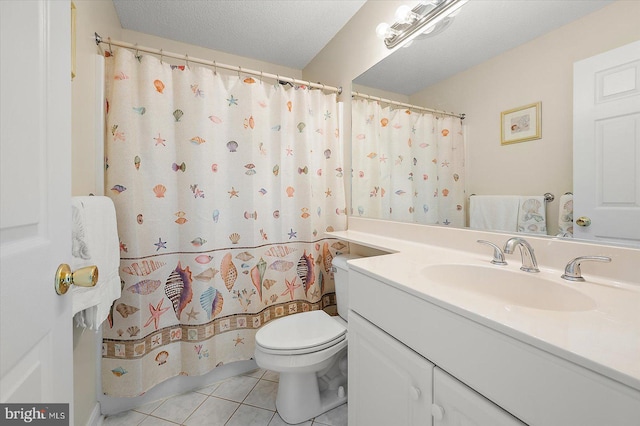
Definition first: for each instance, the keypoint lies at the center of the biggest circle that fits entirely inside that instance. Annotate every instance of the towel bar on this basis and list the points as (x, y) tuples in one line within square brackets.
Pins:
[(548, 197)]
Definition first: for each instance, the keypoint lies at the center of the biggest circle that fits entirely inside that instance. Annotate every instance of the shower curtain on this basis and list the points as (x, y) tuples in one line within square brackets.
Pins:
[(407, 166), (224, 186)]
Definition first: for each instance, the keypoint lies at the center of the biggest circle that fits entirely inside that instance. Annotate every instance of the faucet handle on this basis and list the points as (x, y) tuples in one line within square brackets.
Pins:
[(498, 255), (572, 270)]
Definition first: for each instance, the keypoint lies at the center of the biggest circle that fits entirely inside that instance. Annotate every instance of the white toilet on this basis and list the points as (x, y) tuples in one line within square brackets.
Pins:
[(309, 350)]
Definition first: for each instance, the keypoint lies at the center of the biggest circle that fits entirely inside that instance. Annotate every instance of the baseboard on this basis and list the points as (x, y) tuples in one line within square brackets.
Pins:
[(96, 418), (174, 386)]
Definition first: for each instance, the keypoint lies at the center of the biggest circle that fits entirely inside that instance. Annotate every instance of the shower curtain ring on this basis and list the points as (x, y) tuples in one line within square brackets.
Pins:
[(239, 71), (161, 57), (137, 52), (110, 49), (261, 76), (186, 60), (215, 68)]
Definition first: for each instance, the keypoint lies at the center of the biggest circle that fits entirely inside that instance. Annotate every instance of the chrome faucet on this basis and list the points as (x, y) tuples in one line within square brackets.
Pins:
[(529, 263), (498, 255), (572, 270)]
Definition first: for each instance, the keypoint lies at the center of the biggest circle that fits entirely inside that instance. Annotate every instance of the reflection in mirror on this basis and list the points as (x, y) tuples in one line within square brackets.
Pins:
[(408, 165), (496, 56)]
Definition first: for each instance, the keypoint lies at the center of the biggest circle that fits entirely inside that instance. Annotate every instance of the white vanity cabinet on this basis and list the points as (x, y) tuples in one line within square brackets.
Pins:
[(389, 384), (396, 338)]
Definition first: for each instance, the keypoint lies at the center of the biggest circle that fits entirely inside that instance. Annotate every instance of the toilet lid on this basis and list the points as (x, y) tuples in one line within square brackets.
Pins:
[(300, 331)]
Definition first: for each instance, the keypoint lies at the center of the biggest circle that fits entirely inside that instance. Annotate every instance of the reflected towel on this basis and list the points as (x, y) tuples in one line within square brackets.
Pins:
[(532, 217), (565, 218), (494, 212), (95, 242)]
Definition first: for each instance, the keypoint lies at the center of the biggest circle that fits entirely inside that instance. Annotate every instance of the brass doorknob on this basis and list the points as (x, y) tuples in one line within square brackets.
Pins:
[(583, 221), (83, 277)]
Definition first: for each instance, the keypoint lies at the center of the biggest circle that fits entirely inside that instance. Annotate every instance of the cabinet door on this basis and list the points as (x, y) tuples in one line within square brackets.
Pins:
[(389, 384), (455, 404)]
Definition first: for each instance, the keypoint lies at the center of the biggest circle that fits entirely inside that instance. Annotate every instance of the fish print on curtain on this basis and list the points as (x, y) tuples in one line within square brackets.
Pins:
[(223, 187), (407, 166)]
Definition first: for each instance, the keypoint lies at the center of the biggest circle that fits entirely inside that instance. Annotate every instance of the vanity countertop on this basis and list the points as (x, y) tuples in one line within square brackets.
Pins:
[(605, 339)]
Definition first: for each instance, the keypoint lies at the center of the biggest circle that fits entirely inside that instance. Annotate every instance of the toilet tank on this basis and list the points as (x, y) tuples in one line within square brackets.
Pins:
[(341, 277)]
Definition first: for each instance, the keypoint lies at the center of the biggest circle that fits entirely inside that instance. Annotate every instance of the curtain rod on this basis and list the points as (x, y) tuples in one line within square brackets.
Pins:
[(402, 104), (214, 64)]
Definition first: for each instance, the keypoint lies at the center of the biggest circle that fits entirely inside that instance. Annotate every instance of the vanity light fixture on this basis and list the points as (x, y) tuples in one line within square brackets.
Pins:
[(428, 17)]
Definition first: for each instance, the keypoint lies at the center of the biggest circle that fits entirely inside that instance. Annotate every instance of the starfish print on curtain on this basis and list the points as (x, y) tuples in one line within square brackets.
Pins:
[(407, 166), (224, 188)]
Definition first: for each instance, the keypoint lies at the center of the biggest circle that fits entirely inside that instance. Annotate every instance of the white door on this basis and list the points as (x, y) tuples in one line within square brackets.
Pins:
[(606, 146), (455, 404), (389, 384), (36, 360)]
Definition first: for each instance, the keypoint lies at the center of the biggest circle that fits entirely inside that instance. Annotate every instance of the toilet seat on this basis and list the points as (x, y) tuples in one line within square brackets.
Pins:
[(301, 351), (301, 334)]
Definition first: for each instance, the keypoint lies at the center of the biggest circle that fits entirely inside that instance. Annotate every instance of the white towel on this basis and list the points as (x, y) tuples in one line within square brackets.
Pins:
[(95, 242), (494, 212), (532, 217), (565, 218)]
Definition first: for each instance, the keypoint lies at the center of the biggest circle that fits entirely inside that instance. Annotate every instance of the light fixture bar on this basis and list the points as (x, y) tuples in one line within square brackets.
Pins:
[(430, 18)]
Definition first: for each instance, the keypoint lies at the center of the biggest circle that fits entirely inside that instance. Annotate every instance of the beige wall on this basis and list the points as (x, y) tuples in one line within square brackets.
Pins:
[(541, 70), (384, 94), (349, 54), (355, 49), (91, 16), (100, 16), (207, 54)]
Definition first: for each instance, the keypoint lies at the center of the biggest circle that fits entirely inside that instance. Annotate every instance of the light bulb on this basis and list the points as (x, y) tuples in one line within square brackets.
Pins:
[(382, 29), (403, 14)]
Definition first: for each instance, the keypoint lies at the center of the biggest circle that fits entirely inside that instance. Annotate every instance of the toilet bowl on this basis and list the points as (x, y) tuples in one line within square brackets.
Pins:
[(309, 350)]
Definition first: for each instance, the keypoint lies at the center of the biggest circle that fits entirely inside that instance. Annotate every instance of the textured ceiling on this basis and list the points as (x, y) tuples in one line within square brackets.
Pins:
[(283, 32), (292, 32)]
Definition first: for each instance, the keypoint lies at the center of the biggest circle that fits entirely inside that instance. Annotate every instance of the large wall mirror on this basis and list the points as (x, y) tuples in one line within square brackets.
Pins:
[(493, 58)]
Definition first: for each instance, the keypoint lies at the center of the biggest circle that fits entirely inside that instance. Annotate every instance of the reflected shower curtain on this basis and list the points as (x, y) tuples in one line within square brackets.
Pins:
[(223, 187), (407, 166)]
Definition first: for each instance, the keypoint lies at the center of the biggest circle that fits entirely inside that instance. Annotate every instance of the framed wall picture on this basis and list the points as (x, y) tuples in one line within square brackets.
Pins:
[(521, 124)]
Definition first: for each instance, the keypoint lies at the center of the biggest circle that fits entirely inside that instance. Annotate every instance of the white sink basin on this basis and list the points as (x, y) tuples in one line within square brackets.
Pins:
[(514, 288)]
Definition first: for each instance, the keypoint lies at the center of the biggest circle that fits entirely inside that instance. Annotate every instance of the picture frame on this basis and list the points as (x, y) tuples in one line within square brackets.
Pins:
[(521, 124)]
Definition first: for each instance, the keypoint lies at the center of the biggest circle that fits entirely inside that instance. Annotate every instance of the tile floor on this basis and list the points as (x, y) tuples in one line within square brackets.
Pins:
[(248, 400)]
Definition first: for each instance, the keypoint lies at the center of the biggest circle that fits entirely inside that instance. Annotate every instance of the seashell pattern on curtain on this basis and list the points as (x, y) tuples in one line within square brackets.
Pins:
[(224, 187), (407, 166)]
